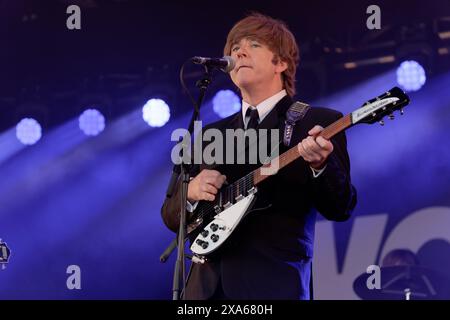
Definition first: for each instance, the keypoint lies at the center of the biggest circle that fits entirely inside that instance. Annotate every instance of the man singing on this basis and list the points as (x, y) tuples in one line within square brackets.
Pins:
[(269, 255)]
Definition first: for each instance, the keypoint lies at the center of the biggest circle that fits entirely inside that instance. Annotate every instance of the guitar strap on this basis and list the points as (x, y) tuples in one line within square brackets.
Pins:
[(295, 113)]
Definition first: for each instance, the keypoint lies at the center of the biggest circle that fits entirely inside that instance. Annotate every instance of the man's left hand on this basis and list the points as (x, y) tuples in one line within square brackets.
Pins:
[(315, 149)]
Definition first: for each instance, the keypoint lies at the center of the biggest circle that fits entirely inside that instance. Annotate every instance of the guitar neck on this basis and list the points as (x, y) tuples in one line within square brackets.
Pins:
[(292, 154)]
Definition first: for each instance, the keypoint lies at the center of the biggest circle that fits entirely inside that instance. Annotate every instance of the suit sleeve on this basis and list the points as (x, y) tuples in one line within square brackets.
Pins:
[(171, 207), (334, 196)]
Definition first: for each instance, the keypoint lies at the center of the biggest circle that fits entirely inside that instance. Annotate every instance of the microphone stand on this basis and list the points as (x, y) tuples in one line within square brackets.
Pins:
[(183, 171)]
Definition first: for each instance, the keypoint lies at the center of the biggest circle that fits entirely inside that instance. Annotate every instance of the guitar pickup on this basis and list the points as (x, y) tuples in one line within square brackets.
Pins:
[(227, 205)]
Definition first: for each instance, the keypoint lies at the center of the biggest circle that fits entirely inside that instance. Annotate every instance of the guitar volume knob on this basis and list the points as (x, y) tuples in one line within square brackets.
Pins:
[(203, 244), (205, 233)]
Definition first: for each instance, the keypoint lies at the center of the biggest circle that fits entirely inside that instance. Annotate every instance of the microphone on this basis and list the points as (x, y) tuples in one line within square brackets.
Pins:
[(226, 64)]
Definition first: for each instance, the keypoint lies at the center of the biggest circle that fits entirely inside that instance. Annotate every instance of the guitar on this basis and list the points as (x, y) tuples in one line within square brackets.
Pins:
[(5, 253), (216, 220)]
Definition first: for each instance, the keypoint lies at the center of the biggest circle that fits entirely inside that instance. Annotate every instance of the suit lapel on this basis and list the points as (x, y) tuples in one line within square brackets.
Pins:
[(273, 120), (237, 122), (276, 115)]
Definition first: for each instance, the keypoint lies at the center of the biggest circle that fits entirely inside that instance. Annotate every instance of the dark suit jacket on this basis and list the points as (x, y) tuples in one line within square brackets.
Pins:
[(268, 256)]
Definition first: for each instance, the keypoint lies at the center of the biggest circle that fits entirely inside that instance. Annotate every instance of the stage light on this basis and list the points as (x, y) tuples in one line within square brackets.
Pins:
[(28, 131), (411, 75), (156, 112), (225, 103), (91, 122)]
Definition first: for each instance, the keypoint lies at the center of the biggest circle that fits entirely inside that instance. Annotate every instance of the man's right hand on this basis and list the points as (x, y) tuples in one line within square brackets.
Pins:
[(205, 185)]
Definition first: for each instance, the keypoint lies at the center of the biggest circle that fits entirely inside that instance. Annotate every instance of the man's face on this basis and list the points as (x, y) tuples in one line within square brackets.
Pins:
[(254, 65)]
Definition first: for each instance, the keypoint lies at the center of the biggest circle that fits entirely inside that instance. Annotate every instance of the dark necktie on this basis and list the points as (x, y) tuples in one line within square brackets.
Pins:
[(254, 117)]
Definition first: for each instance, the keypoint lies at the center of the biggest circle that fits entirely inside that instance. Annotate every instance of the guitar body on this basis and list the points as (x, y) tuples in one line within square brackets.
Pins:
[(221, 227)]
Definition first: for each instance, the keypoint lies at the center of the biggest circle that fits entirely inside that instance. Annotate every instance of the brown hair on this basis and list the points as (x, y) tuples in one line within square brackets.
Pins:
[(274, 34)]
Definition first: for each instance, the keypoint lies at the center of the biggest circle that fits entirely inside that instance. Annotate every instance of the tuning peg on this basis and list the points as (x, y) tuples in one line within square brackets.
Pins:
[(391, 117), (401, 111), (382, 122)]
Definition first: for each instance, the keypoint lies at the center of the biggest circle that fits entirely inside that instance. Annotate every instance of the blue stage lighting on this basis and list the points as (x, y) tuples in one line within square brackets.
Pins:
[(411, 75), (156, 112), (28, 131), (91, 122), (225, 103)]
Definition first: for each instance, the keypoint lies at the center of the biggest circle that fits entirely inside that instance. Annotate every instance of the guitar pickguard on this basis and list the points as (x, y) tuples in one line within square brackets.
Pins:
[(221, 227)]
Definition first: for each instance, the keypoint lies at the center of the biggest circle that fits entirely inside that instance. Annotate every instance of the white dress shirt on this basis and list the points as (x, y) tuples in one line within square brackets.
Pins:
[(264, 107)]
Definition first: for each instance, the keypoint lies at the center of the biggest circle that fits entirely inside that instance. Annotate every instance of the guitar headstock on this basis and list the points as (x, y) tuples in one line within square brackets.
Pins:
[(5, 253), (384, 105)]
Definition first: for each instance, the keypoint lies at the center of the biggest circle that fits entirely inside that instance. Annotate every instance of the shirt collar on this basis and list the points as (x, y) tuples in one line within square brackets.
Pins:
[(265, 106)]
